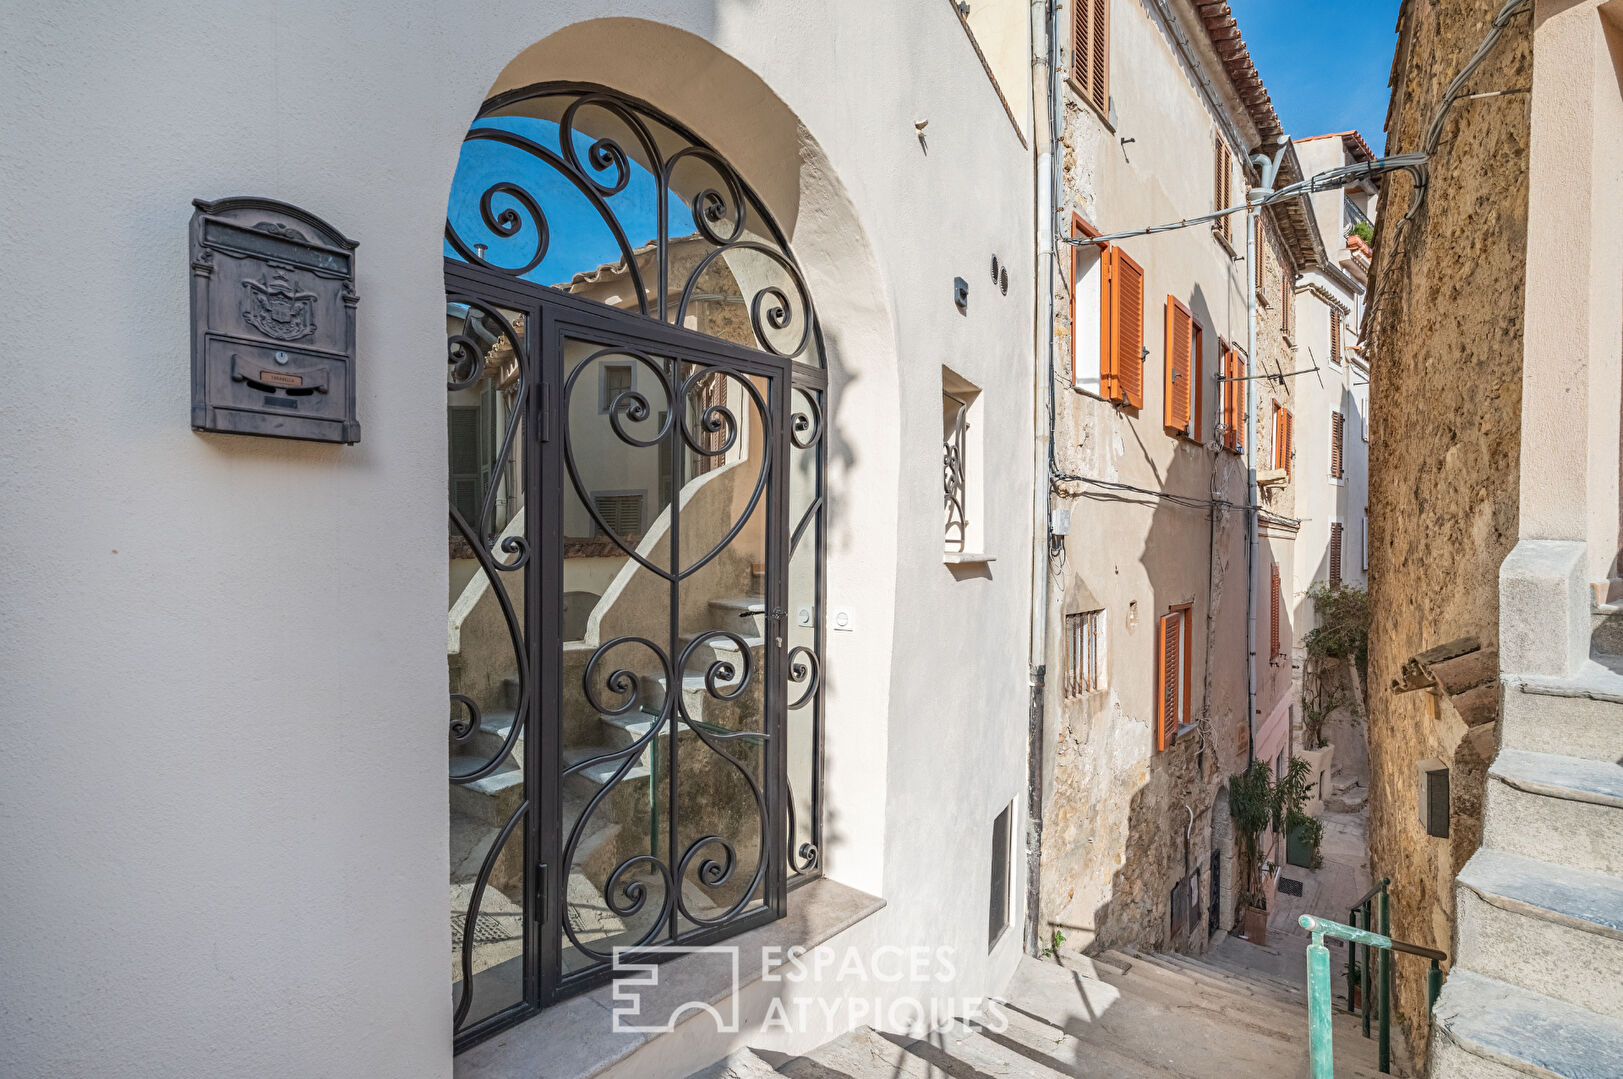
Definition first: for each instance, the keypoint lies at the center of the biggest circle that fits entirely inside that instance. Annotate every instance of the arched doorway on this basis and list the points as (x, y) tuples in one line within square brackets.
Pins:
[(636, 398)]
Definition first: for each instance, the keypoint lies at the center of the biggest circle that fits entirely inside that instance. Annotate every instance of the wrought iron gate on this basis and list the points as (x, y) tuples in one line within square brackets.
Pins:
[(636, 469)]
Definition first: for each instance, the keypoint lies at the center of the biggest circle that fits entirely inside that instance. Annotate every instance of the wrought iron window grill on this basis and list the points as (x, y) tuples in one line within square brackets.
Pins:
[(954, 475)]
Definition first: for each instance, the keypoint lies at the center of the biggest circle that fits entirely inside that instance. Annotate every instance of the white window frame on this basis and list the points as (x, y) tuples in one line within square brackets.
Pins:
[(1087, 327)]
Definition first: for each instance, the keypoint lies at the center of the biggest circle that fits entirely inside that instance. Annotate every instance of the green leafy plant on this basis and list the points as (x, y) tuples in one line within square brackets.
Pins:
[(1053, 945), (1258, 802), (1363, 230), (1342, 632)]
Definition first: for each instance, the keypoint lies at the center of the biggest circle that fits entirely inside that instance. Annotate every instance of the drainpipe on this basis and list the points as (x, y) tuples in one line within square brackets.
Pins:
[(1044, 134), (1267, 168)]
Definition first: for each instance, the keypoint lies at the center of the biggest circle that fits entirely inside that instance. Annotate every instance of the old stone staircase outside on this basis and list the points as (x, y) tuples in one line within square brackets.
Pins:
[(1537, 986), (1137, 1016)]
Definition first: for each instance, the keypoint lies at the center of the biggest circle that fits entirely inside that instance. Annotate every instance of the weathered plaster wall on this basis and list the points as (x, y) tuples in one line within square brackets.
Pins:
[(1447, 350), (1123, 822), (225, 829)]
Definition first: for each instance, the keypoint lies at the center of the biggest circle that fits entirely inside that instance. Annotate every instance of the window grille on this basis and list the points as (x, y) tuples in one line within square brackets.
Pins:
[(1082, 653), (954, 479)]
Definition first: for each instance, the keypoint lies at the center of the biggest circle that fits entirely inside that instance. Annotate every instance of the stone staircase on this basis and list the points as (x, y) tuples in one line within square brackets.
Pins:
[(1116, 1015), (1537, 984)]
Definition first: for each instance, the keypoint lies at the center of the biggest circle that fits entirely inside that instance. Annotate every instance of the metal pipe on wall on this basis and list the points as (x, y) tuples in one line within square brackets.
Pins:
[(1044, 36)]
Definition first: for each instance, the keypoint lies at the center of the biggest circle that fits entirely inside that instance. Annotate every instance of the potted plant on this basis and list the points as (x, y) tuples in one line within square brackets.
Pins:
[(1303, 834), (1257, 802)]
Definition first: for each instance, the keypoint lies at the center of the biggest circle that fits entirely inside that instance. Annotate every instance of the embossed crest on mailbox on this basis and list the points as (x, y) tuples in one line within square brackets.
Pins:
[(273, 322)]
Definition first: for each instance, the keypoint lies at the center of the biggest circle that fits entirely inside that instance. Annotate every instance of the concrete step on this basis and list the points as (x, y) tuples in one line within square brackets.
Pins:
[(744, 615), (1286, 988), (744, 1064), (599, 774), (1255, 981), (492, 799), (1185, 1032), (1487, 1029), (628, 728), (491, 736), (1024, 1036), (1209, 979), (1581, 716), (1235, 1005), (1565, 810), (1551, 929)]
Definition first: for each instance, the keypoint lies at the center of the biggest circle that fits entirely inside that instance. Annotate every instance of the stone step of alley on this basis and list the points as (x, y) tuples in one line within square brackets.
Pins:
[(1556, 808), (1577, 716), (1244, 1004), (1487, 1029), (1160, 1018), (1542, 927)]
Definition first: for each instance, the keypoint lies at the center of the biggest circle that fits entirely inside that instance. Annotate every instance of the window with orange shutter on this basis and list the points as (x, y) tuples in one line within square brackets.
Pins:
[(1222, 187), (1284, 448), (1337, 424), (1178, 371), (1274, 599), (1335, 337), (1197, 379), (1233, 398), (1124, 375), (1335, 554), (1261, 246), (1090, 51), (1172, 674)]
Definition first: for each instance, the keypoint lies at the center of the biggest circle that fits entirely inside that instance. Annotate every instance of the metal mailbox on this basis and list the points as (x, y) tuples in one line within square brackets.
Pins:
[(273, 322)]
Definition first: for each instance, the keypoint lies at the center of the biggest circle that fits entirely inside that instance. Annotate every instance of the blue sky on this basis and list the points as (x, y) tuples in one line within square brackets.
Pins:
[(1325, 65), (579, 240)]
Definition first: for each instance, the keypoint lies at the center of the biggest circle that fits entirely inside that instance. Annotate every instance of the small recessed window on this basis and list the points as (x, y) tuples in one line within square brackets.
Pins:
[(621, 511), (998, 909), (614, 380), (1084, 651)]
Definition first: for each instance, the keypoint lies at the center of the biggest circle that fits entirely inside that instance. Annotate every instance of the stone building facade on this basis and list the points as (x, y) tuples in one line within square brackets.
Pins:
[(1445, 332), (1146, 662)]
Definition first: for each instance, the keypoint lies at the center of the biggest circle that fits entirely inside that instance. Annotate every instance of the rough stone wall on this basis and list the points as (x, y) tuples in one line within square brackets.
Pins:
[(1445, 434)]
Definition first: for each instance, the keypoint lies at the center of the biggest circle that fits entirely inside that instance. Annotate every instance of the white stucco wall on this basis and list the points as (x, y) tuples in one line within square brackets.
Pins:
[(224, 805)]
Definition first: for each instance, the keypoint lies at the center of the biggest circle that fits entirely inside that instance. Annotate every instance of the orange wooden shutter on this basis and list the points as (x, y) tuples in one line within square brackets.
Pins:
[(1273, 612), (1167, 641), (1109, 384), (1127, 329), (1337, 423), (1090, 50), (1335, 555), (1234, 400), (1177, 393), (1291, 438), (1222, 185), (1197, 378), (1262, 256), (1335, 337)]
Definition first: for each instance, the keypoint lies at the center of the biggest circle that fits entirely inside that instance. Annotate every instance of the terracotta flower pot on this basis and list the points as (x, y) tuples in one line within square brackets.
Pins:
[(1256, 926)]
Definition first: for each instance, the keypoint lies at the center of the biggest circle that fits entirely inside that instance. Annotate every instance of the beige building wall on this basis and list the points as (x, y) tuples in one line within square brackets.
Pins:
[(1156, 520)]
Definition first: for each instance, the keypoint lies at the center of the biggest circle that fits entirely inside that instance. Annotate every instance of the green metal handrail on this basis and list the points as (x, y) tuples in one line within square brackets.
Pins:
[(1320, 1050)]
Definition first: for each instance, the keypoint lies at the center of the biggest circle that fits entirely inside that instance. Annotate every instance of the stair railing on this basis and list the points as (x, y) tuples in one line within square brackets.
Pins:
[(1320, 1050)]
